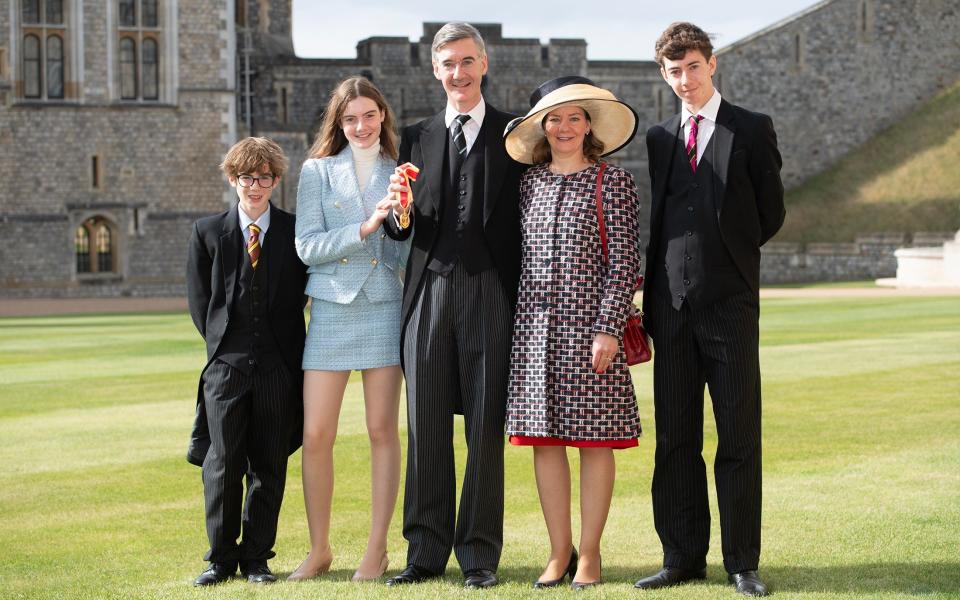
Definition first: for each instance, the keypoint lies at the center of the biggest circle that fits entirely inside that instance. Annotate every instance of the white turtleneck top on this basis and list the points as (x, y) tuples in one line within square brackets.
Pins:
[(364, 160)]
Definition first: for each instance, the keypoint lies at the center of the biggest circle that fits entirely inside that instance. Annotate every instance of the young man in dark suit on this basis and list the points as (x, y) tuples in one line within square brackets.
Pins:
[(717, 197), (245, 289), (458, 301)]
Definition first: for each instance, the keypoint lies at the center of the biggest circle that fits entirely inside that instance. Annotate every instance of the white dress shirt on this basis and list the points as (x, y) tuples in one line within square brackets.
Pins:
[(263, 223), (707, 125), (471, 129)]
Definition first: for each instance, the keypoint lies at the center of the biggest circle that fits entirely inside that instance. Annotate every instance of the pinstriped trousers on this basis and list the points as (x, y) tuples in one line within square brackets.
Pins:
[(249, 417), (716, 346), (456, 354)]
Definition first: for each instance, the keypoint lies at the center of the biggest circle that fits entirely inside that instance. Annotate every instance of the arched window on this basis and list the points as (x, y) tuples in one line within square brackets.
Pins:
[(151, 74), (138, 28), (54, 66), (81, 242), (31, 67), (128, 69), (44, 43), (104, 248), (95, 244)]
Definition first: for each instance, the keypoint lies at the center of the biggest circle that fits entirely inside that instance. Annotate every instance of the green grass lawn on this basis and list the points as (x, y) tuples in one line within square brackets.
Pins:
[(861, 466)]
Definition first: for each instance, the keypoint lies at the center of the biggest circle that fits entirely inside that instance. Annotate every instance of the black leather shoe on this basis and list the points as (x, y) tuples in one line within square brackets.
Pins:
[(412, 574), (571, 571), (479, 578), (748, 583), (216, 573), (257, 571), (669, 576)]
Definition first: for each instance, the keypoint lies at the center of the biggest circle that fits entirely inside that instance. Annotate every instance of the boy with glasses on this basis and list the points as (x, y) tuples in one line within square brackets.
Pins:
[(245, 290)]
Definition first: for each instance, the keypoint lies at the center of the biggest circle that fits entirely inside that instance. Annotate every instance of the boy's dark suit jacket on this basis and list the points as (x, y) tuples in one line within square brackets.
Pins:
[(213, 266), (747, 187)]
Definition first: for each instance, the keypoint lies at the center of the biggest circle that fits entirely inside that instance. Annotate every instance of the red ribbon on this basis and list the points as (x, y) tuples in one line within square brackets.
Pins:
[(409, 172)]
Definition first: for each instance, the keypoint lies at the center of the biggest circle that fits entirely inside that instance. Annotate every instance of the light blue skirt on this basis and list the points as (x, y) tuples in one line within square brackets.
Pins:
[(346, 337)]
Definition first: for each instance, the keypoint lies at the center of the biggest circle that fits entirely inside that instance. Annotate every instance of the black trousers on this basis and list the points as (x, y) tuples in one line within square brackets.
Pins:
[(249, 417), (456, 354), (716, 346)]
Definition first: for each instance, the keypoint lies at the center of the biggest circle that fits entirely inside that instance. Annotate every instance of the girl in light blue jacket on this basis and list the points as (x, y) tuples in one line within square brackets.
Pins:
[(355, 289)]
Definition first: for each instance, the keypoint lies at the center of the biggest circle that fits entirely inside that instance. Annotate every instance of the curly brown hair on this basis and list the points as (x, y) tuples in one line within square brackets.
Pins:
[(331, 140), (680, 37), (250, 154)]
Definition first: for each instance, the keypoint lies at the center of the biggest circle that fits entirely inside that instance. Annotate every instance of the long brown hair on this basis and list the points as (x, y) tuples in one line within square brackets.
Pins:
[(331, 140)]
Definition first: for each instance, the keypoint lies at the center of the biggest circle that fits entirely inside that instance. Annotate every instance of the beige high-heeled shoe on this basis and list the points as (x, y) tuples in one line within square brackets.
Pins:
[(384, 563), (301, 573)]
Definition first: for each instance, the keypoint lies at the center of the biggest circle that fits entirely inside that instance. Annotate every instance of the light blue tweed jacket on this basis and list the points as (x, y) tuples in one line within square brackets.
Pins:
[(330, 209)]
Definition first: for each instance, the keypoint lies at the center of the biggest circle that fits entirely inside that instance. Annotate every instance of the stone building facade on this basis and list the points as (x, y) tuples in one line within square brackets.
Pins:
[(111, 129), (114, 114), (841, 71)]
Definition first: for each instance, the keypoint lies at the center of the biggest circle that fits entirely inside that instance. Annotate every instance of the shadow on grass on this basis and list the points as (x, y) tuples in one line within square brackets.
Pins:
[(335, 575)]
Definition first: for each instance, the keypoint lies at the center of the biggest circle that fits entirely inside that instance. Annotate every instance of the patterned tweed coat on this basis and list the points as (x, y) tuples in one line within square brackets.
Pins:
[(567, 295)]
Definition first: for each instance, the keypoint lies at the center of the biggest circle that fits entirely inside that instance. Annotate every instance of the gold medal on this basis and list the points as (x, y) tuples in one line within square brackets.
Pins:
[(410, 173)]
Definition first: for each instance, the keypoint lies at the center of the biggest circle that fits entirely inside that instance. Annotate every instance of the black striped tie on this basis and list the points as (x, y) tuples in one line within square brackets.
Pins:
[(459, 138)]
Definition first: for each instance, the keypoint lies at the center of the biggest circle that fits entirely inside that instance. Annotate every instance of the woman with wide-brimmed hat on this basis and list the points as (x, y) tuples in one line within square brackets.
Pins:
[(569, 381)]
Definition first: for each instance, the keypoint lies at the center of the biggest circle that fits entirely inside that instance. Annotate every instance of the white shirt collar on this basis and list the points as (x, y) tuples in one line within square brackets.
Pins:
[(476, 114), (263, 223), (708, 111)]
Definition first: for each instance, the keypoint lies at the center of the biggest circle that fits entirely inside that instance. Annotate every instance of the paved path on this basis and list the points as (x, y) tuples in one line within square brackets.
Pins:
[(44, 307), (50, 306), (856, 292)]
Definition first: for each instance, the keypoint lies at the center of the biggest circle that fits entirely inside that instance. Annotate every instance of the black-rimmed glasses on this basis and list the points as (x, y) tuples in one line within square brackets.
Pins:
[(265, 181)]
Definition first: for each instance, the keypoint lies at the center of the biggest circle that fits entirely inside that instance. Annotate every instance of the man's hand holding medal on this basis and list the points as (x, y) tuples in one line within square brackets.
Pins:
[(402, 195)]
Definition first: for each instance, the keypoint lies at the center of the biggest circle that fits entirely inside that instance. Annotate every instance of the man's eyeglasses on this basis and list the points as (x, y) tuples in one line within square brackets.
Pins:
[(449, 66), (265, 181)]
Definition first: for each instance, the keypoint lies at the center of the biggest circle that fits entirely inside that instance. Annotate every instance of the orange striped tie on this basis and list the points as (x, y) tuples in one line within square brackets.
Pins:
[(253, 245)]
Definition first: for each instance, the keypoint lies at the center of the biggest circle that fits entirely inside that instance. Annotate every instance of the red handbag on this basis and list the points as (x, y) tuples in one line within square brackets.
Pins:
[(636, 342)]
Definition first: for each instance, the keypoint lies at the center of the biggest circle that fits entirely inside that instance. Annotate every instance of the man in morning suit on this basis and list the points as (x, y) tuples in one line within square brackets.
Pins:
[(717, 197), (245, 289), (458, 301)]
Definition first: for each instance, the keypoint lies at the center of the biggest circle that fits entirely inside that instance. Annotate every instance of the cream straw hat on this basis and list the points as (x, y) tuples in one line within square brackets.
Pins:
[(613, 122)]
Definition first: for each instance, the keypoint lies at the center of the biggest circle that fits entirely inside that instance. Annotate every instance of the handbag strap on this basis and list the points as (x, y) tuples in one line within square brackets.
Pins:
[(600, 223), (600, 220)]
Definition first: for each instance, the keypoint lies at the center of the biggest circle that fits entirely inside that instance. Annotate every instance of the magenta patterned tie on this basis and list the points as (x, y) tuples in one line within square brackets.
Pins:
[(692, 141)]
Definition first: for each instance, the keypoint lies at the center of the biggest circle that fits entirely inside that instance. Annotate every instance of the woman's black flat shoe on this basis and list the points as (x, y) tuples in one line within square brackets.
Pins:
[(571, 571)]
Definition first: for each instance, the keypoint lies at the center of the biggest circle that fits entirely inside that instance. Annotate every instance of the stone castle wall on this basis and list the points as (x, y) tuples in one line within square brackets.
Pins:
[(831, 77), (156, 161), (842, 71)]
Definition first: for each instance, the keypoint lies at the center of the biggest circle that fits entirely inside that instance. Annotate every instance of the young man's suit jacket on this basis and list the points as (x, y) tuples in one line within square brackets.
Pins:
[(213, 267), (747, 189)]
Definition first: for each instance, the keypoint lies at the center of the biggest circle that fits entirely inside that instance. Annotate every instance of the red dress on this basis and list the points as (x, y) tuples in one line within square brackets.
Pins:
[(568, 294)]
